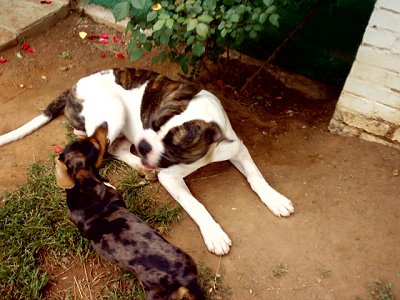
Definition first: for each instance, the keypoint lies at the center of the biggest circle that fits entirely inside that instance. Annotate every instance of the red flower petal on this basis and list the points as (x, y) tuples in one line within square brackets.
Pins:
[(116, 39), (30, 50), (119, 55), (3, 60), (103, 55), (104, 36), (103, 41), (57, 149), (25, 46), (45, 2), (93, 37)]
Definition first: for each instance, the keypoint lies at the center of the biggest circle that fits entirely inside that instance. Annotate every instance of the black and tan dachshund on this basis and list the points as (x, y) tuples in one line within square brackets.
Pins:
[(118, 235)]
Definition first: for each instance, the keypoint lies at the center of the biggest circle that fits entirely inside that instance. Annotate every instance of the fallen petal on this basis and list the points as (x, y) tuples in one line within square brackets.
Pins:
[(93, 37), (156, 6), (30, 50), (25, 46), (116, 39), (82, 35), (103, 55), (104, 36), (119, 55), (2, 60), (57, 149), (103, 41)]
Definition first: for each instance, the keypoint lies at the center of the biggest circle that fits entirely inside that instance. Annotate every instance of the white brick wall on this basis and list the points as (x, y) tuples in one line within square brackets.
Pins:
[(369, 105)]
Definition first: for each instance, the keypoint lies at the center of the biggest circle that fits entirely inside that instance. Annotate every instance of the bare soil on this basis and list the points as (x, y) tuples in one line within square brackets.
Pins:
[(346, 192)]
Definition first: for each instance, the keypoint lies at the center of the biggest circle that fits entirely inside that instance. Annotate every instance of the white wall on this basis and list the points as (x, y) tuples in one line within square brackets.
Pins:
[(369, 105)]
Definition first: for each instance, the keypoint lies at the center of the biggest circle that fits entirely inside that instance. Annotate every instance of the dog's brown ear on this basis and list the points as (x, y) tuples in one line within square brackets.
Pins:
[(99, 140), (63, 179)]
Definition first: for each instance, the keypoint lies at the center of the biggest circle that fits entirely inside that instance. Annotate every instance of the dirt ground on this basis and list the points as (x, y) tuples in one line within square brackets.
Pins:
[(345, 230)]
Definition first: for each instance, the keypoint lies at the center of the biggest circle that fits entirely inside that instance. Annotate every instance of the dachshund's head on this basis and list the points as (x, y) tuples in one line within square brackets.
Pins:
[(80, 157)]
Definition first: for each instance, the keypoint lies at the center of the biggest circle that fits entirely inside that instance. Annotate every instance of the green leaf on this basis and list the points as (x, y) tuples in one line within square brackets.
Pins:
[(224, 32), (234, 18), (191, 24), (205, 18), (158, 25), (180, 7), (262, 18), (148, 46), (184, 66), (198, 49), (268, 2), (164, 38), (273, 19), (138, 4), (136, 53), (253, 34), (169, 23), (270, 10), (151, 16), (121, 11), (202, 30), (190, 40)]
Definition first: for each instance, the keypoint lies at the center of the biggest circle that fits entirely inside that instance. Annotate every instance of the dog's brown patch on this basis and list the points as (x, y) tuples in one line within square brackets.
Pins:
[(163, 99), (73, 110), (189, 142), (130, 78)]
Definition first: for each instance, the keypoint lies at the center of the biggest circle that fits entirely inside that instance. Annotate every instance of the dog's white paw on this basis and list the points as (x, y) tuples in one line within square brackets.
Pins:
[(278, 204), (216, 240)]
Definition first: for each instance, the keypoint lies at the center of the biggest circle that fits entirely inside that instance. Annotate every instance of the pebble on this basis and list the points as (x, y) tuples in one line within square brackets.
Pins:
[(395, 172)]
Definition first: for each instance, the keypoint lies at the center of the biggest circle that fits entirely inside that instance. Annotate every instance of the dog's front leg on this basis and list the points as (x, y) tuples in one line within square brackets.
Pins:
[(216, 240), (276, 202)]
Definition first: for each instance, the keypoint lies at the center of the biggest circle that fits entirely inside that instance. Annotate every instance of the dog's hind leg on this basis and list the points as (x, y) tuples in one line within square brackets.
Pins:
[(216, 240), (276, 202)]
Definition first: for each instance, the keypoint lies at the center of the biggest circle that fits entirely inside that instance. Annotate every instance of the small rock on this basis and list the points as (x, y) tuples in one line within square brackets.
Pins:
[(63, 69), (395, 172)]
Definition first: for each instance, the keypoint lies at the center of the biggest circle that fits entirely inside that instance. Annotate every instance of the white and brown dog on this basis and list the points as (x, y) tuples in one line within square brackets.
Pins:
[(175, 127)]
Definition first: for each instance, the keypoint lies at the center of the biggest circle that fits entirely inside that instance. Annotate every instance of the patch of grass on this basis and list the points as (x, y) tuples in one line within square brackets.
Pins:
[(124, 287), (280, 270), (33, 221), (34, 226), (381, 291), (324, 271), (211, 283)]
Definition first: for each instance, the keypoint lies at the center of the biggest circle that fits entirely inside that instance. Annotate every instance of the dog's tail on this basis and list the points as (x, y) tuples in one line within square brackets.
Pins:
[(193, 291), (52, 110)]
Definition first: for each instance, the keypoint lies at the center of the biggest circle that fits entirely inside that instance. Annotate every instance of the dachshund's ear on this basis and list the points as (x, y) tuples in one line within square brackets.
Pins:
[(100, 141), (63, 179)]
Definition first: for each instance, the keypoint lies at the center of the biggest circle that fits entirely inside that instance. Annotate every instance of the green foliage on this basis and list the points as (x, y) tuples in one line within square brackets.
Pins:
[(381, 291), (193, 29)]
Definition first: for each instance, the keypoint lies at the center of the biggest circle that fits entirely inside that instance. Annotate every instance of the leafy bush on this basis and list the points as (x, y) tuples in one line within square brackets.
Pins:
[(192, 30)]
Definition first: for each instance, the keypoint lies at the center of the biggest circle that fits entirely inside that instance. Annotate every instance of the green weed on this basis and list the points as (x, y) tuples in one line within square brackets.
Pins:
[(280, 270), (381, 291)]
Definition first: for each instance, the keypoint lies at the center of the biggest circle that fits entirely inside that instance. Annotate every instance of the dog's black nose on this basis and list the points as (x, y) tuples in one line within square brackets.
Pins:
[(144, 147)]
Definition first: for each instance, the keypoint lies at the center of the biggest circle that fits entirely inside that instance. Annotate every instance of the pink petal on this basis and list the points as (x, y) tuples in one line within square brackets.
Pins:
[(3, 60), (104, 35), (57, 149), (120, 55), (103, 41)]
